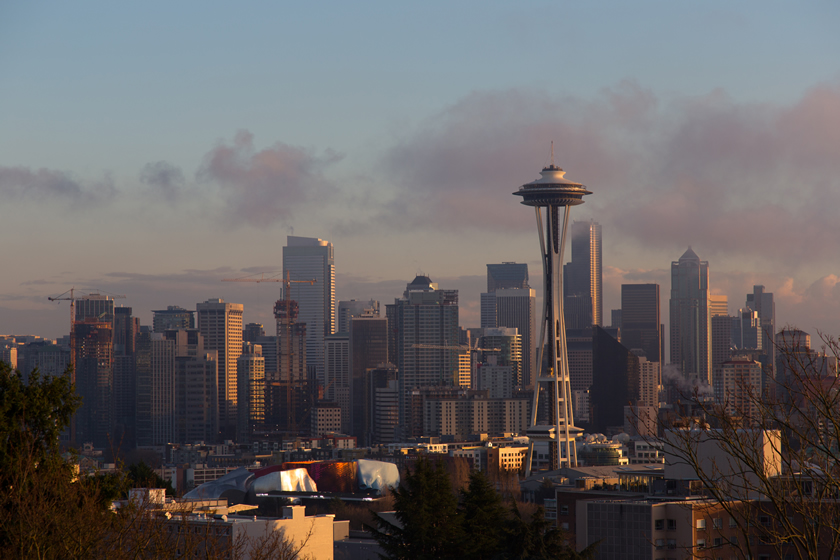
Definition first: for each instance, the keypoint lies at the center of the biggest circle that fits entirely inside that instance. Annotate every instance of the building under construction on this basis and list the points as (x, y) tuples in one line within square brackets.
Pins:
[(288, 399)]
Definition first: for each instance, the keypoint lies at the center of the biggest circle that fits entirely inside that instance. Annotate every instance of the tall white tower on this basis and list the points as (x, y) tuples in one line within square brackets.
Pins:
[(552, 191)]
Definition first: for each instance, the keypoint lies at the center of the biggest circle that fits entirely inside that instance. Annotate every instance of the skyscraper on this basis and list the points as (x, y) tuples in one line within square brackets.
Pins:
[(196, 401), (94, 381), (308, 258), (691, 319), (762, 303), (173, 317), (93, 330), (337, 375), (507, 275), (424, 326), (126, 328), (368, 350), (582, 277), (510, 302), (615, 380), (220, 324), (250, 370), (640, 319), (288, 394)]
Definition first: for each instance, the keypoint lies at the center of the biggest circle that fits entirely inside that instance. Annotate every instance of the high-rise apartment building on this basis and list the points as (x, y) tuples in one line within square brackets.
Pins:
[(383, 399), (509, 353), (368, 350), (94, 371), (220, 324), (337, 375), (196, 400), (583, 277), (250, 370), (173, 317), (507, 275), (737, 384), (763, 304), (691, 318), (640, 319), (93, 330), (423, 325), (510, 302), (307, 258), (126, 328)]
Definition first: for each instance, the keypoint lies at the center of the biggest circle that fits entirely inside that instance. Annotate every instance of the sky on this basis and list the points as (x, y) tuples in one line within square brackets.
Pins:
[(152, 150)]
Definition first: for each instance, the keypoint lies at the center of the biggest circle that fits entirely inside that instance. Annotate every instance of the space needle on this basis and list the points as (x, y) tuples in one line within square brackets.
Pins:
[(552, 191)]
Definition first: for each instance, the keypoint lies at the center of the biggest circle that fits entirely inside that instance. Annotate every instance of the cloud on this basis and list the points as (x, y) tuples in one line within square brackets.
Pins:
[(22, 183), (747, 179), (263, 187), (163, 179)]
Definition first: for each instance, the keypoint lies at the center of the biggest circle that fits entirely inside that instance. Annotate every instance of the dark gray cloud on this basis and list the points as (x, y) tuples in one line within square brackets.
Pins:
[(163, 179), (263, 187), (23, 183)]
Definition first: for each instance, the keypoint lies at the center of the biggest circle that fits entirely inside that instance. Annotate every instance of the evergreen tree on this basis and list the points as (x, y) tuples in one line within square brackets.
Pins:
[(429, 526), (483, 515)]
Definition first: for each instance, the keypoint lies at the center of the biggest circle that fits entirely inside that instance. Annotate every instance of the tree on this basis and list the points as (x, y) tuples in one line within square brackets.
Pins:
[(48, 510), (769, 458), (426, 511), (431, 525), (483, 516), (141, 475)]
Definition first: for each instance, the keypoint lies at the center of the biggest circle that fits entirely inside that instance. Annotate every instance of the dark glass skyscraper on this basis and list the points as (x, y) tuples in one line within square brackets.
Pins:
[(640, 319)]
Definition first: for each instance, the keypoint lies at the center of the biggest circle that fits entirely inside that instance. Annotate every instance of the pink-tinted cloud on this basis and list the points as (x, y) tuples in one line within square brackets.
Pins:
[(266, 186), (746, 179)]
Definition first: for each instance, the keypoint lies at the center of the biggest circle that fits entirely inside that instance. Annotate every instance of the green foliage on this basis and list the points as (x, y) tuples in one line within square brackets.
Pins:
[(33, 414), (426, 509), (141, 475), (483, 518), (44, 511), (431, 525)]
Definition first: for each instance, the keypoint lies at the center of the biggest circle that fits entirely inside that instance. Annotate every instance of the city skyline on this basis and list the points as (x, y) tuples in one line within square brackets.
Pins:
[(179, 158)]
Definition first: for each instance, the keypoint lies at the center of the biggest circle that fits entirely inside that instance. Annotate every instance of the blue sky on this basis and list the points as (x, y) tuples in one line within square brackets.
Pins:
[(151, 150)]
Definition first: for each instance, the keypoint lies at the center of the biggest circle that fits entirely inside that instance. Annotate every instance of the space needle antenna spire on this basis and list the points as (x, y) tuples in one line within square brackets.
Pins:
[(552, 191)]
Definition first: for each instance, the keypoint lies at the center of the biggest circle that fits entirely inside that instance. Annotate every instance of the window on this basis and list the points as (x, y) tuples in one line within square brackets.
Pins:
[(717, 522), (701, 524), (659, 524), (764, 520), (672, 524), (732, 523), (672, 543), (718, 541), (660, 544), (701, 543), (564, 510)]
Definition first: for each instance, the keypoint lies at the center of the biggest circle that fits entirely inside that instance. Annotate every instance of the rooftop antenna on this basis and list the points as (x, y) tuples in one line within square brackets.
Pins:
[(552, 153)]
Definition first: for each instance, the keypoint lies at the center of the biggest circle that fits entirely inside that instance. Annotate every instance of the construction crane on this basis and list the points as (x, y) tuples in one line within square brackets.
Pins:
[(461, 347), (284, 316)]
